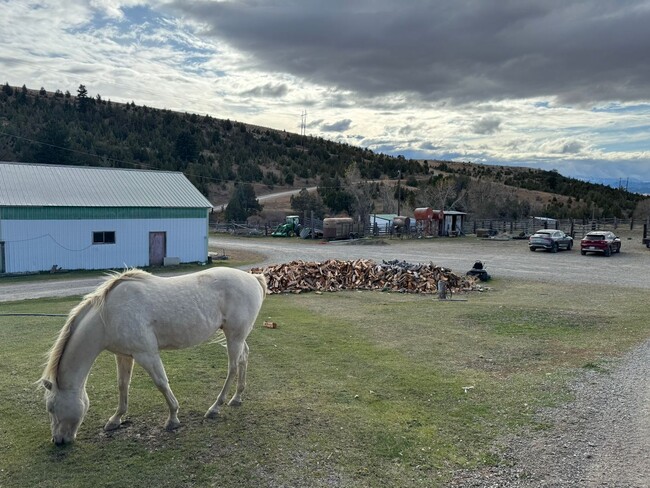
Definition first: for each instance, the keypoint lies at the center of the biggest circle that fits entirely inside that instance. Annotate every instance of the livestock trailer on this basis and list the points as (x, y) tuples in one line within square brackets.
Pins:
[(341, 228)]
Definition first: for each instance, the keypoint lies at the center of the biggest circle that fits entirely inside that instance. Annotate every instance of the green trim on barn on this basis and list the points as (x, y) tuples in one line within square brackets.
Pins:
[(96, 213)]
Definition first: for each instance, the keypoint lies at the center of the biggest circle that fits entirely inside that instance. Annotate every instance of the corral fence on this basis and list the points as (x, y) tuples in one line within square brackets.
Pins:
[(266, 228), (577, 228), (255, 229), (525, 227)]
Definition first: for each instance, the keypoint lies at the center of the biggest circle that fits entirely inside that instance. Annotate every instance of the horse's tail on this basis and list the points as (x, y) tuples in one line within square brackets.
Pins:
[(261, 278)]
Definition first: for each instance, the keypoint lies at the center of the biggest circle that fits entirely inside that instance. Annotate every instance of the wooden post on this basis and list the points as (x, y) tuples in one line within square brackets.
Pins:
[(399, 191), (442, 290)]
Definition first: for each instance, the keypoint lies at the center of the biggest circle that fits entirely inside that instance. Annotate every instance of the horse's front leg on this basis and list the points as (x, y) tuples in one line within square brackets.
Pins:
[(124, 370), (153, 365)]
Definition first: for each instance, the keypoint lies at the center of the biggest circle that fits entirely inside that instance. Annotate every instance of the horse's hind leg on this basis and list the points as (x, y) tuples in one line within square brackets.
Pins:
[(235, 350), (242, 364), (124, 370), (153, 365)]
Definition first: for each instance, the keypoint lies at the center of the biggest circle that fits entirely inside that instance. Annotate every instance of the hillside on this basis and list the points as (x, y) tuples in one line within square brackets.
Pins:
[(58, 128), (217, 154), (551, 194)]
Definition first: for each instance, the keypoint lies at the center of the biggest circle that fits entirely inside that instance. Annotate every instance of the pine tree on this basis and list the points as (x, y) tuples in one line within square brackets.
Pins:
[(243, 203), (305, 202), (82, 98)]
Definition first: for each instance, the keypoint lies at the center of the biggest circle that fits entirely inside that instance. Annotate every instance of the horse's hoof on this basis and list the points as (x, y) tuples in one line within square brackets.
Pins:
[(211, 414), (234, 403), (112, 426), (172, 425)]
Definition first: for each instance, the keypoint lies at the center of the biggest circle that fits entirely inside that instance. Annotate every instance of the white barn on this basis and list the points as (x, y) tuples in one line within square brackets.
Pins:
[(78, 217)]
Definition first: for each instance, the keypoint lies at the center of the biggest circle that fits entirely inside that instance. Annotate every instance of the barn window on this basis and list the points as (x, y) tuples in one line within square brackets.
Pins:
[(104, 237)]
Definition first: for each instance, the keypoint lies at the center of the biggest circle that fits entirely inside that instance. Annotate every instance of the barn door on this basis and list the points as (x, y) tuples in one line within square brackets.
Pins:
[(2, 257), (157, 248)]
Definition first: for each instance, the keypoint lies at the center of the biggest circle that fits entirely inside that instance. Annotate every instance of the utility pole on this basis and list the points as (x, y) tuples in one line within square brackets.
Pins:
[(399, 190), (303, 127)]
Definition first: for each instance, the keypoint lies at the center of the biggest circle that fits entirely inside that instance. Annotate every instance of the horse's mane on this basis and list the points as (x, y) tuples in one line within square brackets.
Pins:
[(262, 280), (94, 299)]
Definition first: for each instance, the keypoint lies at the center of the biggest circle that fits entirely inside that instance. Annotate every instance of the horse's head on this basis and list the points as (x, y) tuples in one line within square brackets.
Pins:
[(67, 409)]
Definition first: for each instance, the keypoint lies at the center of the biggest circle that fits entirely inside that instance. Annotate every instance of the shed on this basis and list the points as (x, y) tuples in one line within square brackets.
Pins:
[(544, 222), (78, 217), (452, 222), (381, 223)]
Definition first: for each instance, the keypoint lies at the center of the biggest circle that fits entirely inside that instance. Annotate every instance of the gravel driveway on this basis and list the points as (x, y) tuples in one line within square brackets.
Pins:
[(602, 439), (505, 258)]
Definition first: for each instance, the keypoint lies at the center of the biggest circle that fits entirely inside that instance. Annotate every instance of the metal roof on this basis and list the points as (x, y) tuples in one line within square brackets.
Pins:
[(44, 185)]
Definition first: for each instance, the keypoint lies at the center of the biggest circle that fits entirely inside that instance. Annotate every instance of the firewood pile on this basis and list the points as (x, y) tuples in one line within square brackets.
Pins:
[(361, 274)]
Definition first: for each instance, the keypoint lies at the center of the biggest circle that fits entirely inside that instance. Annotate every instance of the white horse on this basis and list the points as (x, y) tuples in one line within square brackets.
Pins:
[(134, 315)]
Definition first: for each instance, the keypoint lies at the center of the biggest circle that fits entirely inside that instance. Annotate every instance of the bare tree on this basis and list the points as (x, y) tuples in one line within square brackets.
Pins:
[(447, 194), (387, 198), (482, 199), (361, 191), (642, 210)]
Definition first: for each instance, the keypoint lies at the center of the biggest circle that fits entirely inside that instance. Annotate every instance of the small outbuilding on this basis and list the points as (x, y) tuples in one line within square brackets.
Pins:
[(544, 223), (76, 217), (381, 223), (452, 223)]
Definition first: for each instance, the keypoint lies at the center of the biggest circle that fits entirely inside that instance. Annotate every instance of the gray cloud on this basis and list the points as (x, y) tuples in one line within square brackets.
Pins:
[(80, 69), (429, 146), (572, 147), (314, 123), (268, 90), (406, 130), (10, 62), (579, 52), (487, 125), (338, 126)]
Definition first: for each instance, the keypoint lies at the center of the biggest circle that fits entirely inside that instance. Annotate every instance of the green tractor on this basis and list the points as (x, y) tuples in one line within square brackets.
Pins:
[(290, 228)]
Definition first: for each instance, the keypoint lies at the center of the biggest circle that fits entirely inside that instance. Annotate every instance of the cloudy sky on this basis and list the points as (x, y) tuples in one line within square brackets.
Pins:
[(553, 84)]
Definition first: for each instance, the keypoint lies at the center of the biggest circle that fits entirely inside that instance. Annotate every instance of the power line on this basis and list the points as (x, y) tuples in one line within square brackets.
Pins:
[(33, 314), (75, 151), (303, 126), (132, 163), (140, 165), (106, 158)]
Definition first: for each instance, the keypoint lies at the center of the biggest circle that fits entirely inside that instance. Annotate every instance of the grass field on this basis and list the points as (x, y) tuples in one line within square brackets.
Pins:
[(352, 389)]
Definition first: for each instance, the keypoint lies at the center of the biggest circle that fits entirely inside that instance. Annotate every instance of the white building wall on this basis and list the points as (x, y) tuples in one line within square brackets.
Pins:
[(37, 245)]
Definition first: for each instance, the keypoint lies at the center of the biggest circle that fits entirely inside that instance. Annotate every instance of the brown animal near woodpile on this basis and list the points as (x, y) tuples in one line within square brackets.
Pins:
[(361, 274)]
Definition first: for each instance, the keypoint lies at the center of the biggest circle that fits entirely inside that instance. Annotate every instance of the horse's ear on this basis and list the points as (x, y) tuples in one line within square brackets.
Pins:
[(47, 384)]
